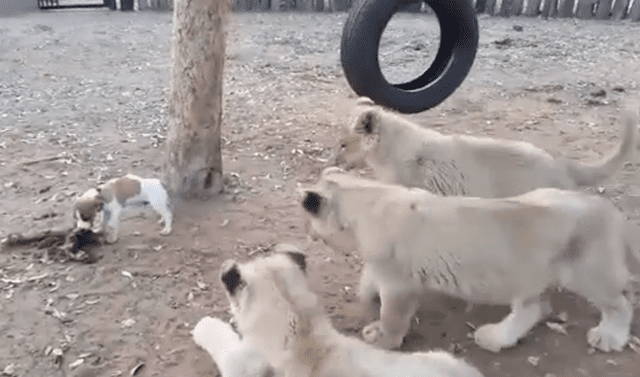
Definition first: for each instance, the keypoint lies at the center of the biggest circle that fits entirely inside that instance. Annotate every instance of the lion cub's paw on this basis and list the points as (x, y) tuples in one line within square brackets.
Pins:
[(607, 341), (491, 337), (372, 333)]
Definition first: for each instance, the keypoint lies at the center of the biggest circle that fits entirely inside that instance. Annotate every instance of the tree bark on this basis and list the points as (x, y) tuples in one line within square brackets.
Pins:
[(193, 161)]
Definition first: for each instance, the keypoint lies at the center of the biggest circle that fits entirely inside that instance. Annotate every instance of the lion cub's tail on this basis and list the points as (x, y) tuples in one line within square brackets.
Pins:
[(590, 175)]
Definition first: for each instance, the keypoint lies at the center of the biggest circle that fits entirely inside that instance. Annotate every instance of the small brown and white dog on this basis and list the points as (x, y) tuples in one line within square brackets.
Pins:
[(100, 209)]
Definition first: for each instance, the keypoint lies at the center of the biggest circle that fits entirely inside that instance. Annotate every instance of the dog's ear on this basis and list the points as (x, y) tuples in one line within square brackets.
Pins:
[(299, 259), (313, 202), (230, 276), (366, 123)]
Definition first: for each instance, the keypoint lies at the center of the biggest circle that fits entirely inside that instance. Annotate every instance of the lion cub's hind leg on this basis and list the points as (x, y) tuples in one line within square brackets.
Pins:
[(524, 315)]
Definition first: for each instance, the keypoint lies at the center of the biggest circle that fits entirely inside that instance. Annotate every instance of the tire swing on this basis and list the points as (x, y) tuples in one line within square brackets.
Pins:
[(361, 41)]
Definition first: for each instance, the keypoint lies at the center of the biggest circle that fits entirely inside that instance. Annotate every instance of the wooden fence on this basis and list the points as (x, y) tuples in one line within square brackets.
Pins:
[(584, 9)]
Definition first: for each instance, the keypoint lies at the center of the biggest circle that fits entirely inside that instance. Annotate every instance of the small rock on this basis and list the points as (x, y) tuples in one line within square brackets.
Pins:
[(128, 323), (201, 285), (517, 28), (611, 362), (533, 360), (76, 363), (9, 370), (285, 247)]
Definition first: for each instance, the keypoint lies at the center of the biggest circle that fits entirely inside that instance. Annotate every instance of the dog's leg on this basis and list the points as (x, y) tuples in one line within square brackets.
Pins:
[(163, 209), (161, 203), (111, 223), (231, 356), (612, 333), (524, 315), (397, 308)]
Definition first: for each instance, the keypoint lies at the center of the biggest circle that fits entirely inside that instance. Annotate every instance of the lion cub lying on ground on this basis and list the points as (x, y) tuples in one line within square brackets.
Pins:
[(280, 317), (494, 251), (402, 152)]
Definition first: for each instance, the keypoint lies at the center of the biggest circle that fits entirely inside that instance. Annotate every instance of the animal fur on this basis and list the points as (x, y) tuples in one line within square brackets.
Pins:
[(280, 317), (232, 355), (400, 151), (494, 251)]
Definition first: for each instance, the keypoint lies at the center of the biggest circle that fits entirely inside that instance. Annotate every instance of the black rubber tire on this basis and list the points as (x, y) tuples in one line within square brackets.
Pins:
[(361, 41)]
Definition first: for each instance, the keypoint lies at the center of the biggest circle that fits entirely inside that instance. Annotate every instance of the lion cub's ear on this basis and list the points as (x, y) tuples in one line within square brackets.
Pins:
[(299, 259), (230, 276), (313, 202), (366, 123)]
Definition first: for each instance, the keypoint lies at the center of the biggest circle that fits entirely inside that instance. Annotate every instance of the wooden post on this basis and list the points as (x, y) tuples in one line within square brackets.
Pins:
[(604, 10), (585, 9), (504, 8), (516, 7), (619, 9), (193, 161), (533, 8), (489, 7), (634, 12), (566, 9)]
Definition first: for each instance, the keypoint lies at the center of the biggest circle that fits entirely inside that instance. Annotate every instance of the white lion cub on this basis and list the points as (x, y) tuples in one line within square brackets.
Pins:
[(494, 251), (400, 151), (280, 317), (232, 355)]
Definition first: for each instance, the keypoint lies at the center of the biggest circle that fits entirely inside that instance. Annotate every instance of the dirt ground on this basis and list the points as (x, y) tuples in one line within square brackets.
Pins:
[(83, 99)]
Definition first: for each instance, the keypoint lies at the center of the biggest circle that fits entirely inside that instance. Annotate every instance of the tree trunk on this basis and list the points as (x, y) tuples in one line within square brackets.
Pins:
[(193, 162)]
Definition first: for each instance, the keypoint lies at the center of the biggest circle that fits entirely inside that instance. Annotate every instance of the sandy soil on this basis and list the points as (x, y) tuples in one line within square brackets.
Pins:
[(83, 99)]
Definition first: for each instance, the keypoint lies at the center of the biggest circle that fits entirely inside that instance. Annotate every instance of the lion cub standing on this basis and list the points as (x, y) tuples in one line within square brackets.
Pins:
[(400, 151), (494, 251), (280, 317)]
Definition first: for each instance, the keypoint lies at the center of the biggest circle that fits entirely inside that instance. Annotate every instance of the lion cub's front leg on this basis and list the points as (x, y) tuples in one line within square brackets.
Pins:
[(397, 309), (524, 315)]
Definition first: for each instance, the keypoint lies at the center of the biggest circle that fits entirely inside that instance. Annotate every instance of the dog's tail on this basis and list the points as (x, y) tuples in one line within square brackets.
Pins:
[(590, 175)]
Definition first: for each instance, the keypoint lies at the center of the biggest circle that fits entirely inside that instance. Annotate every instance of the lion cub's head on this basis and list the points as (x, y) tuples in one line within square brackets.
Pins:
[(337, 203), (260, 293)]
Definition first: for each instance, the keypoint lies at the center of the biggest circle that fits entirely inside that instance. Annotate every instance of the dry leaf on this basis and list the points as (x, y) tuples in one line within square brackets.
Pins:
[(557, 327)]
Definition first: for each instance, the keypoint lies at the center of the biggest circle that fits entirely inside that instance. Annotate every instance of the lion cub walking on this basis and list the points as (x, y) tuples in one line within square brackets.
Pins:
[(280, 317), (494, 251), (402, 152)]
